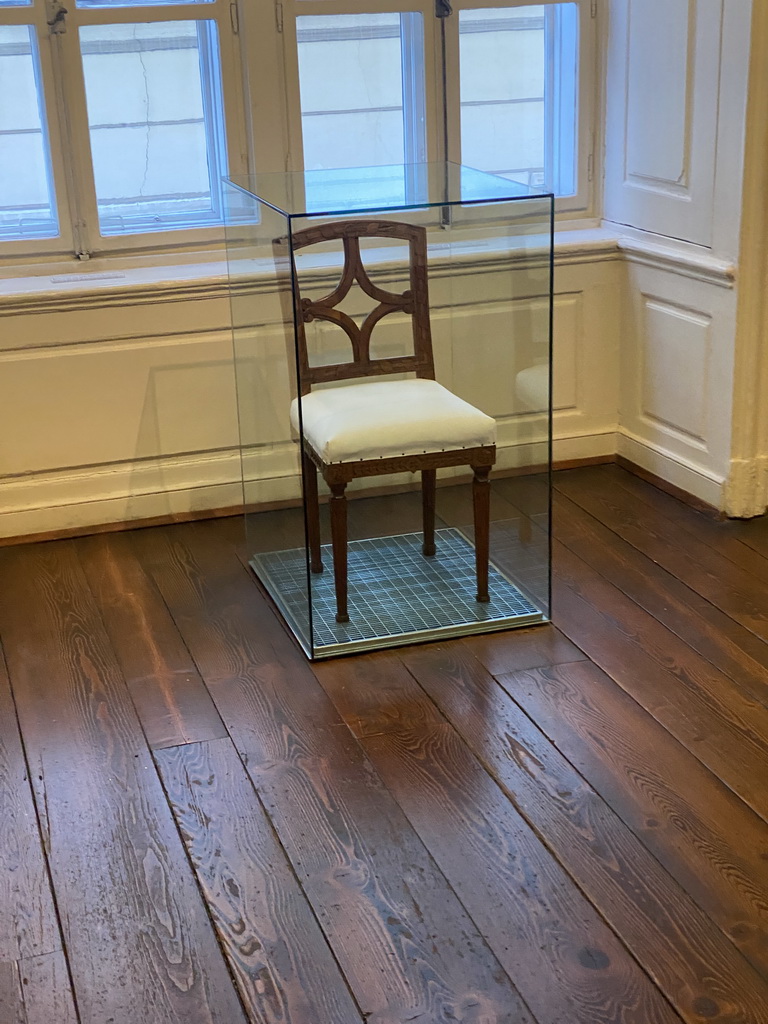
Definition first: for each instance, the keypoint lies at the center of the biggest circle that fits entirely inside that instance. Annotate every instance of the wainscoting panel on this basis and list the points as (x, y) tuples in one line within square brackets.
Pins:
[(677, 379), (662, 116), (138, 426)]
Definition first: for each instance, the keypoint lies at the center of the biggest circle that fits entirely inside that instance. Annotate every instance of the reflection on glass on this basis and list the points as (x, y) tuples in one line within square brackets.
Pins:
[(158, 141), (518, 93), (27, 205), (347, 189), (370, 111)]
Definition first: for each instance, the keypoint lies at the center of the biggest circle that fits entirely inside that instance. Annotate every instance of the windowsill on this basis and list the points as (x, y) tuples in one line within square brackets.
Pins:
[(204, 275)]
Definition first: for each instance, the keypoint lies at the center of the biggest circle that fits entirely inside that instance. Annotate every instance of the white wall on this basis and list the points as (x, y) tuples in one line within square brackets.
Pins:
[(119, 404), (675, 123), (117, 398)]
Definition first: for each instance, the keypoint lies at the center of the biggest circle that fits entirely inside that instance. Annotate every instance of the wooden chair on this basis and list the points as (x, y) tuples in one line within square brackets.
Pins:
[(382, 426)]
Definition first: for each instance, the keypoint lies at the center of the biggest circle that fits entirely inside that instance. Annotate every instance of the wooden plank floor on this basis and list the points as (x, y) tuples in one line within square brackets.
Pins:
[(560, 825)]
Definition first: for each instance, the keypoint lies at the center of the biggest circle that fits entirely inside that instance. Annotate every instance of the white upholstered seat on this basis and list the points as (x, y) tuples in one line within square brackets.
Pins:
[(388, 418)]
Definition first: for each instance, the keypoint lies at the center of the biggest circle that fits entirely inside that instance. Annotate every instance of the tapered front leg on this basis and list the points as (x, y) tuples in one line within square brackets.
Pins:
[(428, 485), (339, 541), (312, 506), (481, 500)]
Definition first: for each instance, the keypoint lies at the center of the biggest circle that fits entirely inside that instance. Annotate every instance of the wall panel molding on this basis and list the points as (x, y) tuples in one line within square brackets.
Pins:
[(664, 60)]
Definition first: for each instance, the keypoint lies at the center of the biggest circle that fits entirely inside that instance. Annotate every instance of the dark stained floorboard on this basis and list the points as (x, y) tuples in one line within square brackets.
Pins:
[(46, 994), (695, 562), (689, 957), (137, 935), (680, 811), (536, 920), (704, 709), (725, 644), (28, 925), (524, 648), (171, 700), (752, 533), (724, 537), (283, 967), (405, 943), (581, 847)]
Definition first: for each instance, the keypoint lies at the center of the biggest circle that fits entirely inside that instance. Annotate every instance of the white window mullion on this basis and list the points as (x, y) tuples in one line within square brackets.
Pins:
[(75, 138), (263, 61), (447, 29)]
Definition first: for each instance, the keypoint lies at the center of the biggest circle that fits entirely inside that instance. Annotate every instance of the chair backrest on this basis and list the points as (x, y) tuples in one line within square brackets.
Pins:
[(414, 301)]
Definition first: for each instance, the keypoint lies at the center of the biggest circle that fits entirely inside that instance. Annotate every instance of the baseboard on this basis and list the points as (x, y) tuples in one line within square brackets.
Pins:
[(670, 472), (70, 502), (152, 492), (668, 488)]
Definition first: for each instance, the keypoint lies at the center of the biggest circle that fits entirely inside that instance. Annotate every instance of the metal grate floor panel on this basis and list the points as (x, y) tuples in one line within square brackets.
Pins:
[(396, 595)]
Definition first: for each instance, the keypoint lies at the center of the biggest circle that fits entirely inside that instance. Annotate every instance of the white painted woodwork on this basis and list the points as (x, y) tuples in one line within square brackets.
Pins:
[(659, 133), (127, 424), (676, 391), (678, 343), (662, 116)]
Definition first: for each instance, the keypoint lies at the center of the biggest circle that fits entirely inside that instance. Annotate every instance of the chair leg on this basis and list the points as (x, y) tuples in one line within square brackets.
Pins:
[(339, 540), (481, 500), (428, 482), (312, 512)]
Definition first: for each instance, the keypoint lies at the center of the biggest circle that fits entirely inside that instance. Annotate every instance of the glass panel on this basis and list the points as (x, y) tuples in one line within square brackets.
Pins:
[(350, 189), (519, 93), (157, 142), (370, 111), (15, 3), (265, 374), (301, 379), (27, 205)]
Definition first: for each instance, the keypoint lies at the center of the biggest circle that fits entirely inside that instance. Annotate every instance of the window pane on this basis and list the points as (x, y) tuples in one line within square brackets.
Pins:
[(15, 3), (519, 93), (362, 89), (27, 206), (157, 142)]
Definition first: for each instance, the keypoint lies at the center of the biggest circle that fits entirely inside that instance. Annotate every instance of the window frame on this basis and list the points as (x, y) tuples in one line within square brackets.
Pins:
[(581, 203), (262, 109), (34, 15), (443, 102), (292, 9), (64, 98)]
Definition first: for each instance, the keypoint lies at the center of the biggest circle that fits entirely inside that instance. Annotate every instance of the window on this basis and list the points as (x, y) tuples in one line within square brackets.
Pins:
[(118, 118), (498, 85), (518, 93), (113, 122), (27, 204)]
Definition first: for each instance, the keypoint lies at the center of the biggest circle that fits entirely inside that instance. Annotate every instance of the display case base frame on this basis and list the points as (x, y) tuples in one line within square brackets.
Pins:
[(396, 595)]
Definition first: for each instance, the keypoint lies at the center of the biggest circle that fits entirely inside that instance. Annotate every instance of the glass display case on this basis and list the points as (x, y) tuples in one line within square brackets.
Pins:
[(392, 345)]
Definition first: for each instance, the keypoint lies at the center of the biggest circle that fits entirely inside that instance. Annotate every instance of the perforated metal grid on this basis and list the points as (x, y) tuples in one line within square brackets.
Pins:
[(396, 595)]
